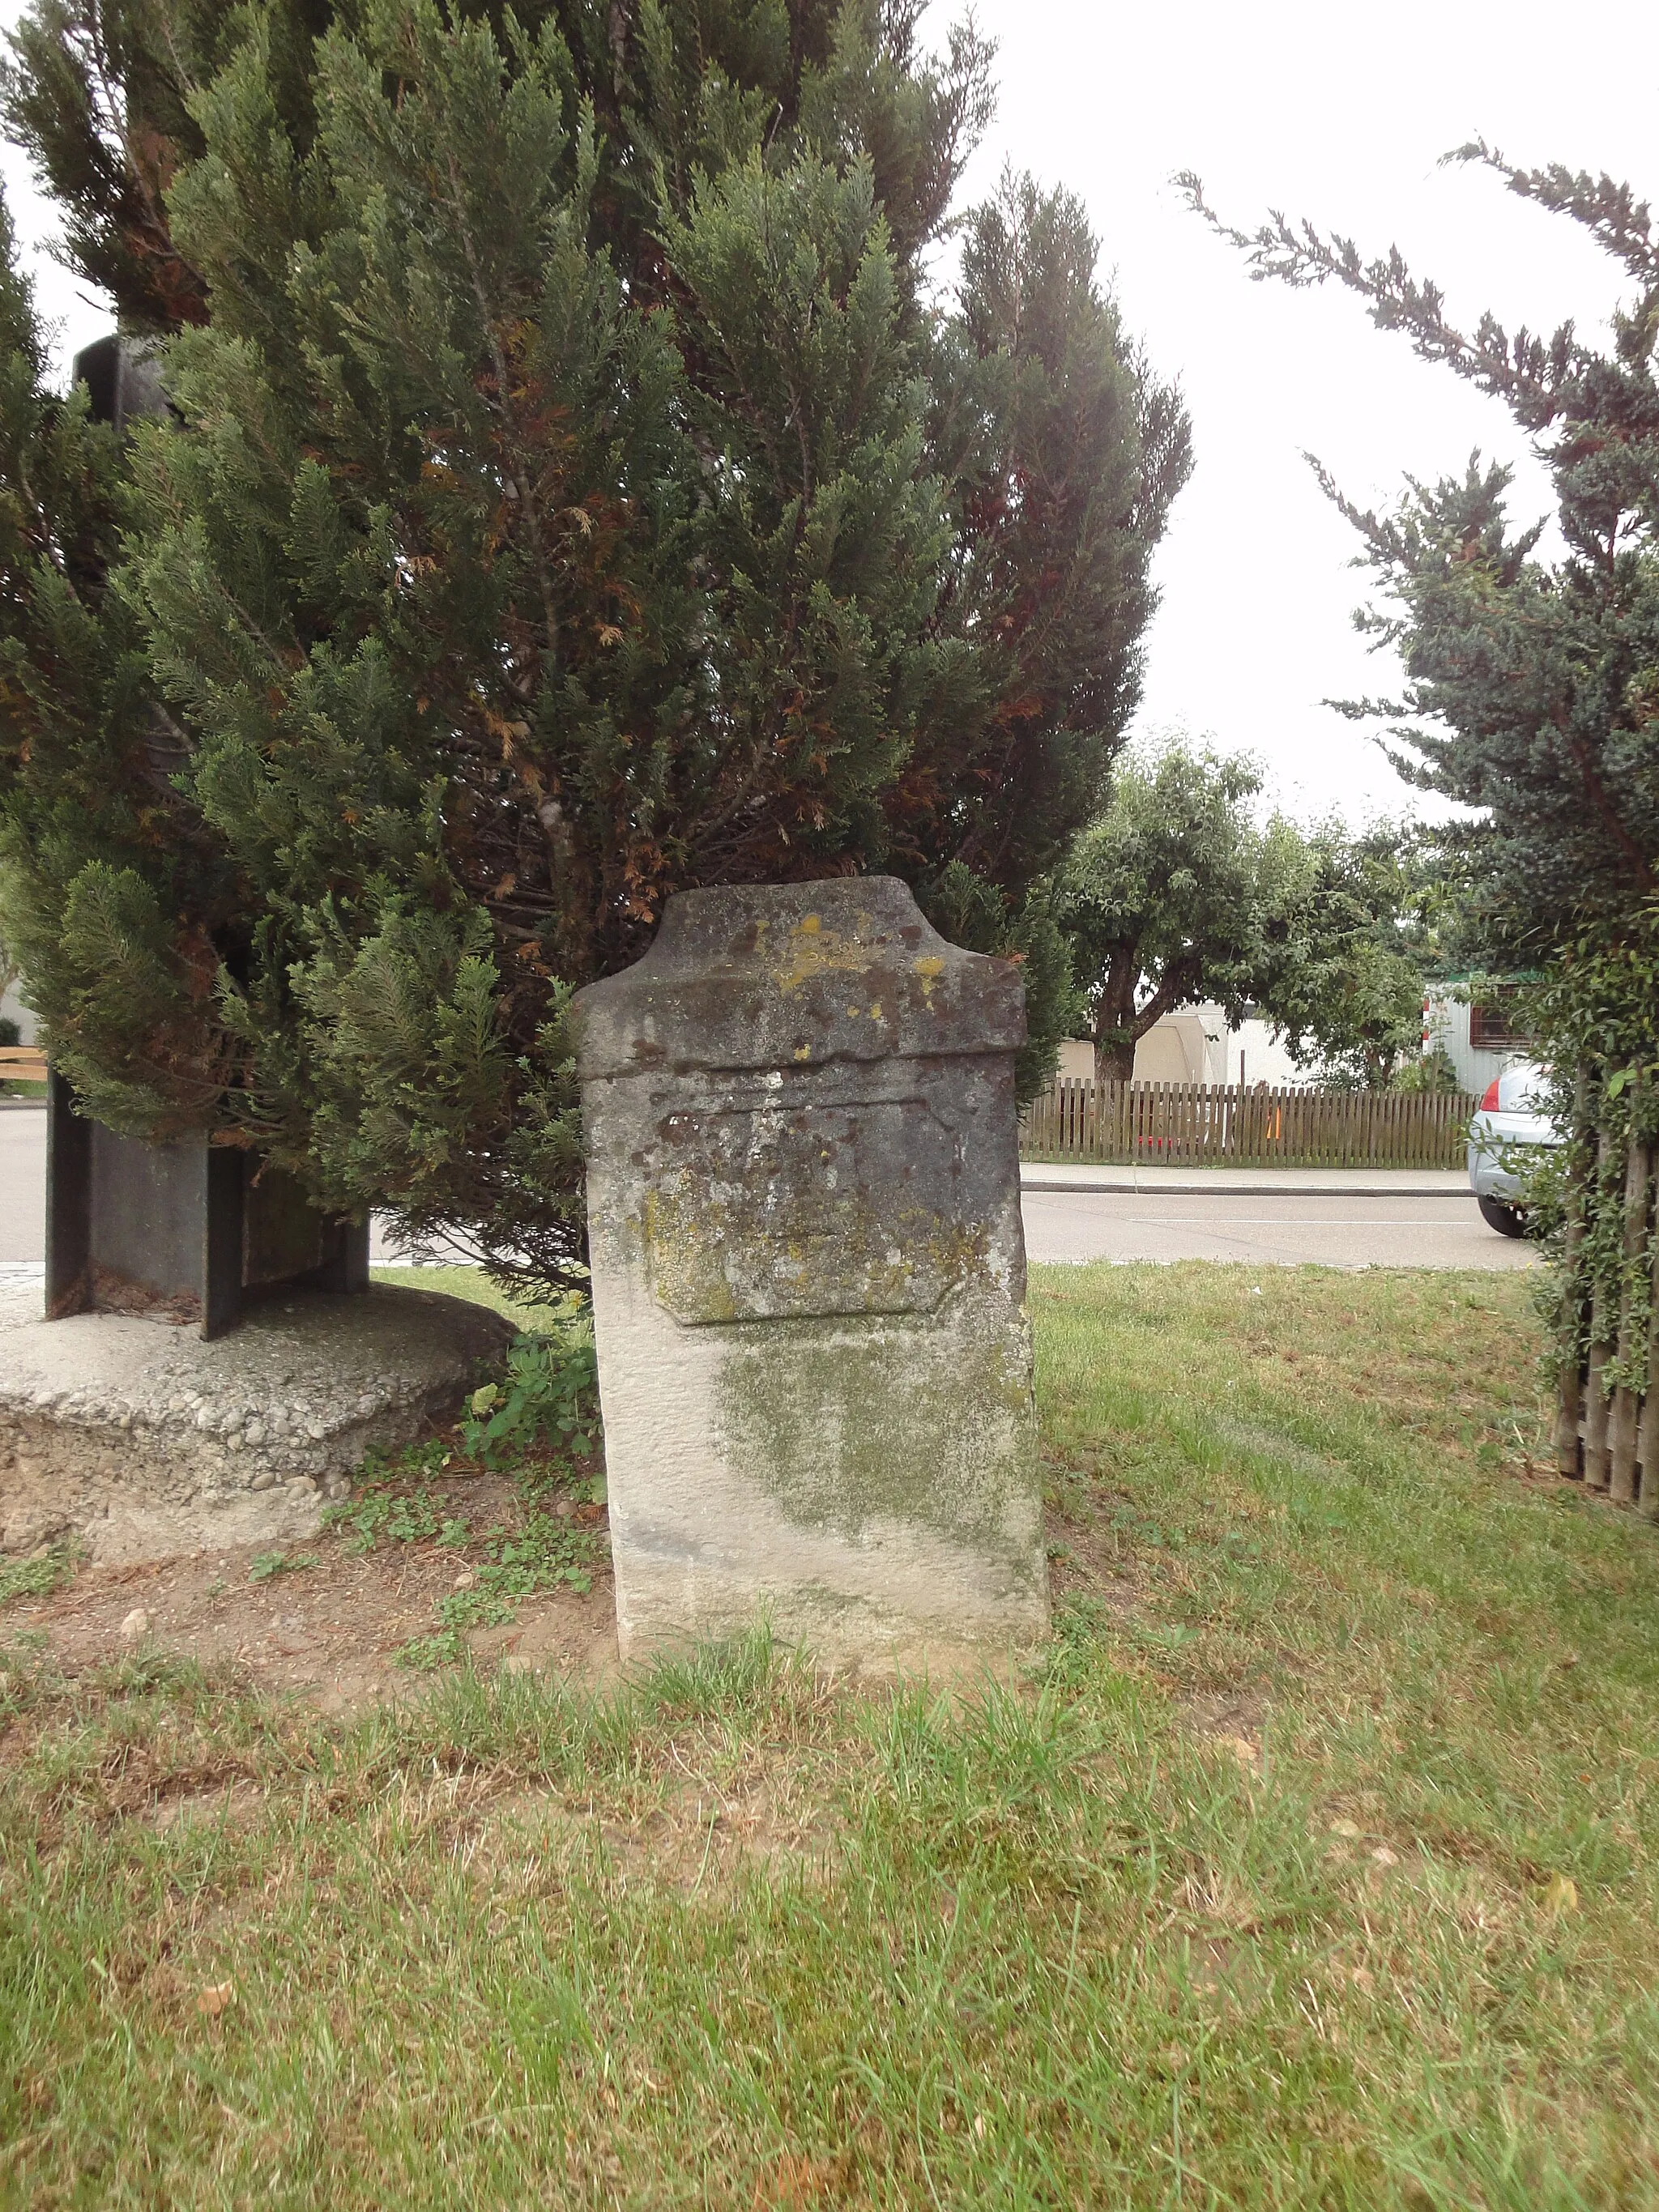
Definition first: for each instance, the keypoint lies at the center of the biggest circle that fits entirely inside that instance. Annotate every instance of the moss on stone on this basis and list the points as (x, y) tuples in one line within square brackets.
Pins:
[(923, 1424)]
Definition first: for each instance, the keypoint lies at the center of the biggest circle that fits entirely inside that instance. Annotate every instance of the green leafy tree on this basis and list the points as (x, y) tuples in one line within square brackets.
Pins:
[(576, 495), (1531, 695), (1172, 896), (99, 94), (110, 891), (1351, 953)]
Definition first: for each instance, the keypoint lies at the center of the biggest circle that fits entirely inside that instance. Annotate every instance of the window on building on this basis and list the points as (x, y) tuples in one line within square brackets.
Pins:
[(1493, 1027)]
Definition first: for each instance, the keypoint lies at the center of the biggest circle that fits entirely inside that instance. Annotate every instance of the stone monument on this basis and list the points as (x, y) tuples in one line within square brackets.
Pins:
[(809, 1279)]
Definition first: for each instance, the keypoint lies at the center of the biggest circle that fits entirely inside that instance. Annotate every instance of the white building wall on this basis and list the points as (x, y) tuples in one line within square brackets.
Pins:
[(1197, 1046), (1253, 1053), (1446, 1022)]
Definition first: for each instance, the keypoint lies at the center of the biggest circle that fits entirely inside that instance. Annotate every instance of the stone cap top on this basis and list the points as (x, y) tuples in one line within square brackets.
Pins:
[(793, 975)]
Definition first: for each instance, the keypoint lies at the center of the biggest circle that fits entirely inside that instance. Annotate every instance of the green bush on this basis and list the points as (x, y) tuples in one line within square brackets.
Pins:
[(1433, 1073), (549, 1400)]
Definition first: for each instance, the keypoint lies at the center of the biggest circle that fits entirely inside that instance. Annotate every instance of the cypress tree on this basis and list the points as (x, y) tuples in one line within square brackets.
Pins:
[(116, 900), (578, 493)]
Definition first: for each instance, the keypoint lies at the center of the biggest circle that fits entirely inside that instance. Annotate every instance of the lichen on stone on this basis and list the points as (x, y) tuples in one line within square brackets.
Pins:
[(920, 1423)]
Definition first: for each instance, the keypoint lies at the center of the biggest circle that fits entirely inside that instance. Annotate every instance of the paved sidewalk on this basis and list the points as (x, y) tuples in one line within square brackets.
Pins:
[(1247, 1183), (22, 1182)]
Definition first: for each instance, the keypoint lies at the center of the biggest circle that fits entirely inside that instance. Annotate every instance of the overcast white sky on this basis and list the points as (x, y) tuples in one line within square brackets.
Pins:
[(1339, 113)]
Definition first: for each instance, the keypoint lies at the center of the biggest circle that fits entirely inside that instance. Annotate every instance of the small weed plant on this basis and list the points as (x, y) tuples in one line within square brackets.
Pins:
[(544, 1554), (386, 1512), (547, 1401), (265, 1567), (539, 1426), (37, 1578)]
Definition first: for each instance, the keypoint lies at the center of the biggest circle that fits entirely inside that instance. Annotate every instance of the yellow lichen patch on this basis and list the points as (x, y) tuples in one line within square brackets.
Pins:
[(930, 968), (723, 1254), (813, 950)]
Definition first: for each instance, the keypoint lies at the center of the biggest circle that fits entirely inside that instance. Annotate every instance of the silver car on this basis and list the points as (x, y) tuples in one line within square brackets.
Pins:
[(1509, 1115)]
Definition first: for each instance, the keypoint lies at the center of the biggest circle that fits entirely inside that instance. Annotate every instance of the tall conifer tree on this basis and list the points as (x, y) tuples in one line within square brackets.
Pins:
[(578, 494), (1531, 686)]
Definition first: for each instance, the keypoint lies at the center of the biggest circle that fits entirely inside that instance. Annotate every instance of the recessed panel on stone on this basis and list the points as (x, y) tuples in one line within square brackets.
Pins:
[(809, 1277), (790, 1208)]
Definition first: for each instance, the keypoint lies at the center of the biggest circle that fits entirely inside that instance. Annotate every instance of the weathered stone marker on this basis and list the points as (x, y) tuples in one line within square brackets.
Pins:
[(809, 1277)]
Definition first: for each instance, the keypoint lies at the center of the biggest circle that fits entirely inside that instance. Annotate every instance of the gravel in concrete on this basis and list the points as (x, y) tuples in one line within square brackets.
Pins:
[(147, 1442)]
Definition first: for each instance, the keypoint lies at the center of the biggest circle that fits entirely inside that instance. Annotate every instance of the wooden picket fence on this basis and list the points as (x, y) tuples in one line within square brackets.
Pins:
[(1606, 1428), (1189, 1124)]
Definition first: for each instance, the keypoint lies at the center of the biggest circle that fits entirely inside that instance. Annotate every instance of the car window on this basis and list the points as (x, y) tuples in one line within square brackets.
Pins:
[(1520, 1088)]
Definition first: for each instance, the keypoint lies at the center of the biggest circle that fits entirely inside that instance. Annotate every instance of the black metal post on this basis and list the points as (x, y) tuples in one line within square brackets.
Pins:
[(69, 1203), (221, 1239)]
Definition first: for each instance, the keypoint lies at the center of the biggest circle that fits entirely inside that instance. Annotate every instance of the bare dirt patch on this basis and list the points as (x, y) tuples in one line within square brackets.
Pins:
[(1088, 1557), (331, 1624), (342, 1625)]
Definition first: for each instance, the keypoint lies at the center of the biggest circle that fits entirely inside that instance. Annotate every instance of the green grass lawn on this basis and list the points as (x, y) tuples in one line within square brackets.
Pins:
[(1317, 1868), (469, 1283)]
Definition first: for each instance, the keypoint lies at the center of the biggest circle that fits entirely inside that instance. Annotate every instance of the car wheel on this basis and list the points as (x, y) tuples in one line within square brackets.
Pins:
[(1507, 1220)]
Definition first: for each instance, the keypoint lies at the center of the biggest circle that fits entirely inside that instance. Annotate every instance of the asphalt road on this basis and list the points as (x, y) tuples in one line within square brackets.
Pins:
[(22, 1182), (1292, 1229), (1329, 1228)]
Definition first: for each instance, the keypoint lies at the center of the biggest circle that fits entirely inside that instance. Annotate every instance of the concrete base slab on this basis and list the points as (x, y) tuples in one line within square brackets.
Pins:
[(148, 1443)]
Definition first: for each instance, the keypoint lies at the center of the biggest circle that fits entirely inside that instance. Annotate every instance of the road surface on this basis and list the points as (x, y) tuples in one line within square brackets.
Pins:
[(22, 1182), (1153, 1215), (1287, 1230)]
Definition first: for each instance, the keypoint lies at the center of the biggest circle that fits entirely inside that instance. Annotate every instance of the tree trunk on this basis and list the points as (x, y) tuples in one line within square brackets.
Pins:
[(1603, 1321), (1115, 1062), (1118, 1027), (1621, 1421), (1115, 1030)]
